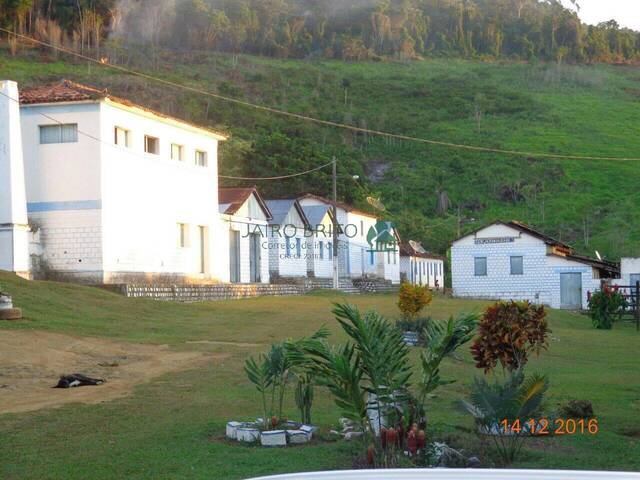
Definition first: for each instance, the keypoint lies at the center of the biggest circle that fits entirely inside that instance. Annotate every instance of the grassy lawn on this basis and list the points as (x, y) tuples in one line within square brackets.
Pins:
[(173, 427)]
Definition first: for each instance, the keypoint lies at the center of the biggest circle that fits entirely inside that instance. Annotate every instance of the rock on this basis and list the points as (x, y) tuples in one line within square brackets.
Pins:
[(473, 462), (449, 457), (274, 438), (247, 434), (353, 435), (5, 302)]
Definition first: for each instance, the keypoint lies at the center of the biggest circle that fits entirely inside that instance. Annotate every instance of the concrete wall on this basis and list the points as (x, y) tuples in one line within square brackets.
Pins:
[(540, 282), (201, 293), (628, 266)]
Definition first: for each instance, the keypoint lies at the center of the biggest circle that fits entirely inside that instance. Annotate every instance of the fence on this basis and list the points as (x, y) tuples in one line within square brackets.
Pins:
[(631, 294)]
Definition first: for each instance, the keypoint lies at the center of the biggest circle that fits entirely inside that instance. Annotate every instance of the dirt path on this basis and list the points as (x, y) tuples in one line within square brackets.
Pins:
[(32, 361)]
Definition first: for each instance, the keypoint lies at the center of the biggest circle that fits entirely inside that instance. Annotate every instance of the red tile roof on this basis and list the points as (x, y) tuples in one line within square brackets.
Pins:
[(64, 91), (235, 197), (68, 91)]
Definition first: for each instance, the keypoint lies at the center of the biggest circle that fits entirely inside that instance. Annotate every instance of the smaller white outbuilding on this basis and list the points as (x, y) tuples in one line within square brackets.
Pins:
[(287, 239), (512, 261), (629, 271), (420, 267), (244, 225)]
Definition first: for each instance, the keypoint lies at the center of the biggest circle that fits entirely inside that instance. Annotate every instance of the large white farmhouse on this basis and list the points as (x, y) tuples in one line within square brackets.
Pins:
[(512, 261), (109, 191)]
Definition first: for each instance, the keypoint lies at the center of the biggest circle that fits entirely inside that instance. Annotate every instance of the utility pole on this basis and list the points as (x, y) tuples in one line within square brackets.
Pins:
[(336, 279)]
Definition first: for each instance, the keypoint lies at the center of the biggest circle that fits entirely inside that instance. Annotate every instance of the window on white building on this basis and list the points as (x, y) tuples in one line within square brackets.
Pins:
[(330, 249), (298, 248), (517, 267), (395, 258), (183, 235), (151, 145), (480, 266), (201, 158), (122, 137), (372, 259), (321, 249), (63, 133), (288, 247), (177, 152)]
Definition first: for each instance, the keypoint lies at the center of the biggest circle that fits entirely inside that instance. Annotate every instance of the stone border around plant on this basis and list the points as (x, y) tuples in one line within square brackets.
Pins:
[(294, 433)]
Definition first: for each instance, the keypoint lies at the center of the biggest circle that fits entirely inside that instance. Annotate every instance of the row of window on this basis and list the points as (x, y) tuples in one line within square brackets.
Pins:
[(516, 264), (68, 133), (122, 137)]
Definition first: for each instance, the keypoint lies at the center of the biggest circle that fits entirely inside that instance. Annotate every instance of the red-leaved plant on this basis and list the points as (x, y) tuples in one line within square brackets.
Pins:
[(507, 333)]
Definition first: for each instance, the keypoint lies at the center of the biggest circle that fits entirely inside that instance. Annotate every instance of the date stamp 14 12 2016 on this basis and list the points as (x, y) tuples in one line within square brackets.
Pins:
[(556, 426)]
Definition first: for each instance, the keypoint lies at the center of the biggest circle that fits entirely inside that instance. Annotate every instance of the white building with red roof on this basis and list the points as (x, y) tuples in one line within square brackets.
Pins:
[(114, 192)]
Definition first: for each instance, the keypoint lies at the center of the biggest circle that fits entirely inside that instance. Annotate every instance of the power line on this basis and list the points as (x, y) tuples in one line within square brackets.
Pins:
[(131, 152), (282, 177), (475, 148)]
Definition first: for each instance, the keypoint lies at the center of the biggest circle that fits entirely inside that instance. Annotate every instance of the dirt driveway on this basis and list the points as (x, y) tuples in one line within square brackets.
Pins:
[(32, 361)]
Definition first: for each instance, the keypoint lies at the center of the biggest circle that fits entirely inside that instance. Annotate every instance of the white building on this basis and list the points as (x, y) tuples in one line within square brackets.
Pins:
[(287, 239), (245, 221), (358, 254), (420, 267), (115, 192), (512, 261), (629, 271), (320, 242)]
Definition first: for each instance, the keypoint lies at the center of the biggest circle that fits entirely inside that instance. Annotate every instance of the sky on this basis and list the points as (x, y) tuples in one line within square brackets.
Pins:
[(625, 12)]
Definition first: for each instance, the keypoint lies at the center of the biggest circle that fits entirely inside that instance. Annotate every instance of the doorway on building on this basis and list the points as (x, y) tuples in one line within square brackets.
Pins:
[(254, 258), (203, 257), (571, 291), (234, 256)]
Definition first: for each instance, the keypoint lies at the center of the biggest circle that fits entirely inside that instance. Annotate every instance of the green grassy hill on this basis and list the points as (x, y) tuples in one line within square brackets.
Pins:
[(577, 110)]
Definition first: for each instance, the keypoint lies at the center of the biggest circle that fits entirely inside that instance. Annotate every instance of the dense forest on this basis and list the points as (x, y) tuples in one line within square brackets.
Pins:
[(338, 29)]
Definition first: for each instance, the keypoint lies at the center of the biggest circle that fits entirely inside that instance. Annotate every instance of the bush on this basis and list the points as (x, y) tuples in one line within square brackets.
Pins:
[(606, 307), (508, 332), (513, 398), (577, 409), (413, 299)]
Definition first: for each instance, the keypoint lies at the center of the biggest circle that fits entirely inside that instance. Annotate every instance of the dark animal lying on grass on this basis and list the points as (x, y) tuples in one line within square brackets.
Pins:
[(77, 380)]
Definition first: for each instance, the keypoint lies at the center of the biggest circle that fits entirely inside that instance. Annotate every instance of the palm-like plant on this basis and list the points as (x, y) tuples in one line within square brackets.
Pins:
[(441, 340), (259, 374), (373, 363), (516, 398)]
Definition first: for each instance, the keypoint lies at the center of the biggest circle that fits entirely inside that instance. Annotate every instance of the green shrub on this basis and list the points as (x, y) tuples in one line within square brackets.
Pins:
[(413, 299), (606, 307)]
